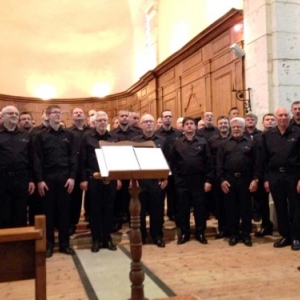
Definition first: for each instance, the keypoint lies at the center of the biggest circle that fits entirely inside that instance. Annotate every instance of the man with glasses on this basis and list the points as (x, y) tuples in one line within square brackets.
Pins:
[(15, 170), (101, 195), (78, 129), (238, 169), (55, 166), (152, 190), (170, 134)]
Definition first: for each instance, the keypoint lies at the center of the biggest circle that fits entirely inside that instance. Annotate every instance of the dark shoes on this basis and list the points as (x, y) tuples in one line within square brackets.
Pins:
[(183, 239), (247, 241), (296, 245), (221, 235), (49, 252), (160, 243), (283, 242), (109, 245), (95, 247), (201, 238), (67, 250), (264, 231), (233, 240)]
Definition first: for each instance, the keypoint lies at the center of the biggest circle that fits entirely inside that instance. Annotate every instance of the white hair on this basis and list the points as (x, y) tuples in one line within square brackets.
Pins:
[(238, 119)]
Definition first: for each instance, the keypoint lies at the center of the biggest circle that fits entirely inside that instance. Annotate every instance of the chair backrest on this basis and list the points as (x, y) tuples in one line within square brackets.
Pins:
[(22, 255)]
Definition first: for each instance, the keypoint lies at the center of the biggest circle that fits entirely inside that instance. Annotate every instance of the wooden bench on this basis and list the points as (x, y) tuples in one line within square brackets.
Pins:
[(22, 255)]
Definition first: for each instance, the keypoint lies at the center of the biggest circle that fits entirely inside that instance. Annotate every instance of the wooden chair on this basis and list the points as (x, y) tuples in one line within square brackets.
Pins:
[(22, 255)]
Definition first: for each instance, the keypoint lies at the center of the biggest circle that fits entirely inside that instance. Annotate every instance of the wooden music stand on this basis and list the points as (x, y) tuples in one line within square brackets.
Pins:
[(144, 171), (22, 255)]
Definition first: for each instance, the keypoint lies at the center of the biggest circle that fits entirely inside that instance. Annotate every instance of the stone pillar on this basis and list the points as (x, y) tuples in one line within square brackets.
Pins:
[(272, 47)]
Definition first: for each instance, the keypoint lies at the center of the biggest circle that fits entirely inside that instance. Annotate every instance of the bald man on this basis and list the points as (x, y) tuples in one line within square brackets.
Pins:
[(281, 163), (15, 170)]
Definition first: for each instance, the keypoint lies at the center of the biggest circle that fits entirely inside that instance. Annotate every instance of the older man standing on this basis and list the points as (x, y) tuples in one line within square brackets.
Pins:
[(238, 171), (15, 170), (281, 163), (152, 194)]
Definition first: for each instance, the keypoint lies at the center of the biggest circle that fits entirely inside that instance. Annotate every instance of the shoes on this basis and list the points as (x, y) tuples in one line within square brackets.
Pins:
[(201, 238), (296, 245), (109, 245), (67, 250), (49, 252), (160, 243), (264, 231), (283, 242), (95, 247), (221, 235), (247, 241), (233, 240), (183, 239)]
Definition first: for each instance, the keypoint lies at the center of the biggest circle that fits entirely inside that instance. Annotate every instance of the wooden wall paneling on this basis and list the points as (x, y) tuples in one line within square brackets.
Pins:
[(192, 62), (223, 41), (222, 80)]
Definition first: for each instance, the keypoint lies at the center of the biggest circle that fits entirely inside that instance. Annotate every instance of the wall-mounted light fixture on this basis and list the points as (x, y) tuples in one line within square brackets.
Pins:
[(237, 50), (240, 95)]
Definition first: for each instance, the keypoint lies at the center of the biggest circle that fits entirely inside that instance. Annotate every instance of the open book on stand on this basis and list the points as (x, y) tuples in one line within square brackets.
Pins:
[(129, 162)]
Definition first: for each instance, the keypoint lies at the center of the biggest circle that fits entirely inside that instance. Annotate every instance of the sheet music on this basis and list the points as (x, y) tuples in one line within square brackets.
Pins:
[(120, 158), (101, 162), (151, 159)]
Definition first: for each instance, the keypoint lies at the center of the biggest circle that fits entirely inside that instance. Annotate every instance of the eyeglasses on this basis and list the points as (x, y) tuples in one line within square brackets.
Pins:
[(11, 113), (56, 112), (148, 121), (101, 120)]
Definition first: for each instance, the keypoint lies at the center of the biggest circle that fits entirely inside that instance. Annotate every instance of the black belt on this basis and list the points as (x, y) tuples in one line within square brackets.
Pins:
[(284, 170), (239, 174)]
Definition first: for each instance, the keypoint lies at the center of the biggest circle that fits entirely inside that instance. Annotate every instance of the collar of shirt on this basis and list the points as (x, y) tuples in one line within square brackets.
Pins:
[(4, 129), (96, 133), (239, 140), (49, 129), (74, 127), (151, 138)]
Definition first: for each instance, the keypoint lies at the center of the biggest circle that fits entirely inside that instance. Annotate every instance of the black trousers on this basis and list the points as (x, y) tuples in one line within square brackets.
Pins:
[(171, 198), (151, 198), (76, 203), (190, 193), (287, 203), (220, 205), (35, 206), (56, 204), (238, 203), (13, 199), (102, 206), (122, 199)]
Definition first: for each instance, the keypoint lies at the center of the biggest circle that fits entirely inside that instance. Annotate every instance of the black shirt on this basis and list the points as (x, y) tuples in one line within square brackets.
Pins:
[(126, 135), (192, 157), (253, 134), (238, 156), (15, 151), (214, 143), (293, 123), (78, 134), (88, 163), (170, 136), (159, 141), (54, 150), (281, 150), (207, 132)]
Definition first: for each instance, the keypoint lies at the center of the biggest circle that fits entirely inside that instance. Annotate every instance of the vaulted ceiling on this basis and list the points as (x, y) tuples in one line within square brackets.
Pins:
[(69, 44)]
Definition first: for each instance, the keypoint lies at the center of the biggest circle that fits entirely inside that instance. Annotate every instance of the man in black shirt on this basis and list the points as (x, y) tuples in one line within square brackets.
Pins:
[(16, 180), (193, 174), (250, 125), (134, 118), (214, 143), (25, 121), (78, 129), (281, 164), (170, 134), (55, 167), (101, 195), (238, 171), (152, 195), (124, 132), (295, 121), (209, 129), (261, 194)]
